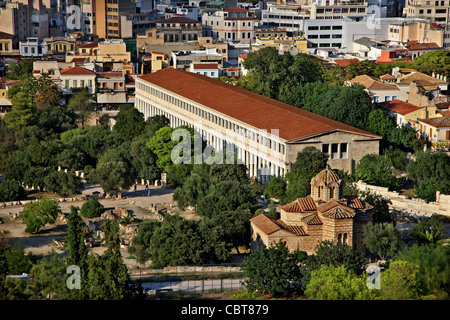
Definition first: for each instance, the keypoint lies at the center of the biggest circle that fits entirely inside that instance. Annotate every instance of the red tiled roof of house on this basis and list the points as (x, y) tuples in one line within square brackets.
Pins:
[(354, 202), (77, 70), (345, 62), (442, 105), (445, 112), (89, 45), (269, 225), (436, 26), (300, 205), (232, 69), (266, 224), (438, 122), (110, 74), (239, 18), (423, 46), (387, 76), (251, 108), (335, 210), (415, 76), (204, 66), (235, 10), (371, 83), (177, 20), (79, 60), (399, 106)]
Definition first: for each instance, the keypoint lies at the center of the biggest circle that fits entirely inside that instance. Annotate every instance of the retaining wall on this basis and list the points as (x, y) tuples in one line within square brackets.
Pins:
[(412, 205)]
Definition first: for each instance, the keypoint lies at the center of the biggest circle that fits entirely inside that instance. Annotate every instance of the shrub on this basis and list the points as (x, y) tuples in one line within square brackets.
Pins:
[(10, 191), (92, 208)]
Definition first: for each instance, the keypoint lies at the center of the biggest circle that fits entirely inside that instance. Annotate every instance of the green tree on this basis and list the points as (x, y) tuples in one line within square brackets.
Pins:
[(337, 254), (116, 278), (227, 196), (63, 183), (92, 208), (401, 281), (57, 119), (337, 283), (376, 169), (140, 244), (81, 103), (437, 61), (129, 122), (434, 267), (427, 189), (380, 206), (24, 113), (432, 173), (112, 176), (37, 214), (21, 69), (153, 124), (380, 123), (77, 251), (235, 227), (161, 145), (11, 190), (271, 270), (176, 242), (382, 238), (193, 190), (47, 279), (276, 188), (46, 95), (309, 162), (17, 261), (428, 231)]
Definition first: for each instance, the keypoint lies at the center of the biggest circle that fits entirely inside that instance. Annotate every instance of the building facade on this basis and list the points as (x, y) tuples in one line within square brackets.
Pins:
[(232, 24), (434, 10), (264, 134), (325, 215)]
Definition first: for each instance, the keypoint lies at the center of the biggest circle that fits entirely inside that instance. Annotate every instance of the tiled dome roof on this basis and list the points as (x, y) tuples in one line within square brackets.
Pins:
[(327, 176)]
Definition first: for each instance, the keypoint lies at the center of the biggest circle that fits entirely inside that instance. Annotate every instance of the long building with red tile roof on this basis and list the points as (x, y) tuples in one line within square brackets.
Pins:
[(266, 134)]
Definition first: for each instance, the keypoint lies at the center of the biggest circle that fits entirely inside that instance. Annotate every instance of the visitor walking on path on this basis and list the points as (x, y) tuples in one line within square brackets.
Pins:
[(148, 193)]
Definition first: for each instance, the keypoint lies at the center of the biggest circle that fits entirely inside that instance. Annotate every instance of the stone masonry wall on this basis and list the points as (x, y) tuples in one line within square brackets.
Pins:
[(413, 206)]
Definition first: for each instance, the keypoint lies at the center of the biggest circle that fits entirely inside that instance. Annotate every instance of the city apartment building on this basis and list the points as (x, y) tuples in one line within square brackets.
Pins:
[(434, 10), (264, 134), (107, 16), (232, 24), (292, 16)]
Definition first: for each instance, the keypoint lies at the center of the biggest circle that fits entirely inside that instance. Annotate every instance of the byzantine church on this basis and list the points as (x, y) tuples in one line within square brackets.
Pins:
[(324, 215)]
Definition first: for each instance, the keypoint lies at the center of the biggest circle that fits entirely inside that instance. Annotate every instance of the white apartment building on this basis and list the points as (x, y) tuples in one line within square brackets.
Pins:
[(33, 48), (264, 134)]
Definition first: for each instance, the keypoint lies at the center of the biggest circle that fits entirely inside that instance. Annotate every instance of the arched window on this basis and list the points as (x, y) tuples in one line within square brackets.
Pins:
[(339, 237), (344, 238), (331, 192)]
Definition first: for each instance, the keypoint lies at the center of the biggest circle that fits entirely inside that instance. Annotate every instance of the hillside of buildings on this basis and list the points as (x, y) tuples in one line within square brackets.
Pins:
[(283, 145)]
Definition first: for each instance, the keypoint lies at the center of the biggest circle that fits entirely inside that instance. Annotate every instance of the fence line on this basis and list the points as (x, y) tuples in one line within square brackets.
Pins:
[(195, 286)]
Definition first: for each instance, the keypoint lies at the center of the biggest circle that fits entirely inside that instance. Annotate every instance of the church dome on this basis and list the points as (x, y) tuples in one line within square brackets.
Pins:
[(327, 176), (326, 185)]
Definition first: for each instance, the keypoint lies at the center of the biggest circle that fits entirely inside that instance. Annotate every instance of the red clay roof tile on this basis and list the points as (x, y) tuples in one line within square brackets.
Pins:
[(251, 108)]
